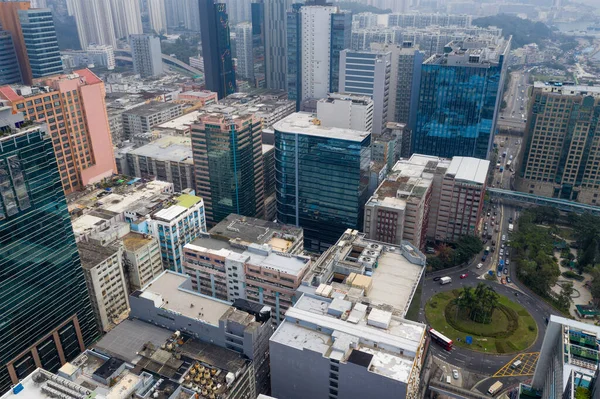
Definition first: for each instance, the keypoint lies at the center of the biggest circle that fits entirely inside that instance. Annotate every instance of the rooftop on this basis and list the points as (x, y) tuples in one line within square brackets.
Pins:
[(306, 123), (466, 169), (133, 241), (182, 122), (92, 254), (167, 148), (183, 203), (349, 335), (151, 108), (567, 89), (471, 52), (167, 292)]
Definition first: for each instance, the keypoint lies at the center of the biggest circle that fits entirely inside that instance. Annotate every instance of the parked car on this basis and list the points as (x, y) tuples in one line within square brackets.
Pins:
[(505, 270), (508, 280), (436, 278), (507, 260), (455, 374), (503, 237), (480, 265), (464, 275)]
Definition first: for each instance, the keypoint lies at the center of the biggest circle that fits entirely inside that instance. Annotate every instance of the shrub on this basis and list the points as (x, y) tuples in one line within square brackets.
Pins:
[(531, 328), (573, 275)]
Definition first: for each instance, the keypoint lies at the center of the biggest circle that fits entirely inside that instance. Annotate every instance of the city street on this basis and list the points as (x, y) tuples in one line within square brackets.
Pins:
[(515, 113)]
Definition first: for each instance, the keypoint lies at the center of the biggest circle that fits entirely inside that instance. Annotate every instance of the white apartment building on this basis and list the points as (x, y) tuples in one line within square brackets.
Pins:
[(146, 55), (316, 50), (105, 280), (141, 255), (127, 18), (346, 111), (157, 15), (94, 22), (101, 55), (243, 41)]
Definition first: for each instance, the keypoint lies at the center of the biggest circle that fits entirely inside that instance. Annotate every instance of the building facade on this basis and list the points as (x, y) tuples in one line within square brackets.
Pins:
[(141, 259), (341, 33), (51, 321), (460, 96), (561, 151), (323, 204), (244, 53), (346, 111), (9, 64), (102, 55), (142, 119), (73, 107), (219, 73), (39, 35), (10, 22), (368, 73), (228, 164), (276, 31), (94, 22), (157, 16), (146, 55), (127, 18), (259, 44)]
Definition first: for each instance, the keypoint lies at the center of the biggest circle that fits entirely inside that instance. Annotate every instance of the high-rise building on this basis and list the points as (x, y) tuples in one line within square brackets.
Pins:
[(48, 319), (405, 81), (238, 10), (258, 44), (460, 95), (127, 18), (10, 22), (568, 362), (341, 31), (157, 16), (321, 175), (244, 53), (228, 162), (293, 60), (146, 54), (73, 108), (9, 64), (276, 37), (183, 14), (219, 73), (101, 55), (346, 111), (141, 255), (94, 20), (561, 153), (41, 43), (368, 73)]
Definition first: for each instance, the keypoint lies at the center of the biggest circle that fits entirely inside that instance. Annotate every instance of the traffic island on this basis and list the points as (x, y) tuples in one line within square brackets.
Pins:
[(503, 327)]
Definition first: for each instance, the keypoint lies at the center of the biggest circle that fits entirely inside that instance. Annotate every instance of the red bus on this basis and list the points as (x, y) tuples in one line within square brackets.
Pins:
[(441, 339)]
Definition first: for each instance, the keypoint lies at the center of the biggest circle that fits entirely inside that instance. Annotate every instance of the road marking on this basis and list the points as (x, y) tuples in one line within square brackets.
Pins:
[(528, 360)]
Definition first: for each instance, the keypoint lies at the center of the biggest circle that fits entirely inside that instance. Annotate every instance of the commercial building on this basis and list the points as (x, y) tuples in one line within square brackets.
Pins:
[(269, 106), (94, 22), (387, 148), (142, 260), (10, 22), (219, 73), (560, 155), (259, 43), (244, 55), (568, 362), (455, 118), (146, 55), (276, 62), (9, 65), (427, 197), (368, 73), (268, 152), (157, 16), (341, 30), (247, 258), (322, 178), (200, 98), (170, 301), (143, 118), (346, 111), (73, 107), (54, 317), (346, 336), (167, 159), (105, 281), (229, 172)]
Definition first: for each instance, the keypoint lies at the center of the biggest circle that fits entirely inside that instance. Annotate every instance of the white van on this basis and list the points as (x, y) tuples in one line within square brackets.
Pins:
[(516, 365)]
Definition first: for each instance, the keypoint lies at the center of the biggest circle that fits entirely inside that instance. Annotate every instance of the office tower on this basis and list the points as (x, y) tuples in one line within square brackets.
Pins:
[(9, 65), (268, 152), (405, 80), (219, 73), (560, 156), (157, 16), (237, 251), (459, 99), (228, 163), (368, 73), (101, 55), (183, 14), (243, 38), (258, 44), (341, 31), (94, 22), (321, 175), (568, 361), (41, 43), (146, 54), (47, 316), (276, 63), (73, 108), (346, 111), (293, 60), (10, 22), (127, 18)]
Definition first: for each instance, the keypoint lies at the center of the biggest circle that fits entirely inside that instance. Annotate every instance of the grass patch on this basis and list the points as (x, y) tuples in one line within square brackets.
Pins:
[(523, 336), (413, 310)]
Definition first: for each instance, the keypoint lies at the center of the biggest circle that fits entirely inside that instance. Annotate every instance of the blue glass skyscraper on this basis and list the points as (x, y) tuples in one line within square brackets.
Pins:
[(341, 35), (46, 318), (460, 95), (39, 35), (9, 65), (321, 178)]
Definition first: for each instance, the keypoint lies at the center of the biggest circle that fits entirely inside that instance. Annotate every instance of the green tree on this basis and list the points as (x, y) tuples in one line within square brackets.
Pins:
[(564, 298), (478, 304)]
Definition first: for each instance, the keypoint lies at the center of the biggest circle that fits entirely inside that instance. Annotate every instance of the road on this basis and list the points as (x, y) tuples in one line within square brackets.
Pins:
[(501, 214), (515, 113)]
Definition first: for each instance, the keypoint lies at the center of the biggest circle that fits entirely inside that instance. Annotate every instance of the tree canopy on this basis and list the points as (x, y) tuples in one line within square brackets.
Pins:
[(478, 303), (523, 31)]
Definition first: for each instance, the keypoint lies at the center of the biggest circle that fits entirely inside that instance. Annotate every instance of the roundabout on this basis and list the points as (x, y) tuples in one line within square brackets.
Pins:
[(502, 328)]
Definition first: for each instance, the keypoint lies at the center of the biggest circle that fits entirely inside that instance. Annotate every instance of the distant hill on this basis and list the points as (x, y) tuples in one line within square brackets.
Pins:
[(358, 8), (523, 31)]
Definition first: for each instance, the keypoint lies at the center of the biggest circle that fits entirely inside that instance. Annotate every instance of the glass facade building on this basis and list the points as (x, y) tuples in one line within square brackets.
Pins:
[(294, 54), (341, 35), (41, 43), (9, 65), (258, 43), (46, 318), (321, 178), (459, 98), (219, 73)]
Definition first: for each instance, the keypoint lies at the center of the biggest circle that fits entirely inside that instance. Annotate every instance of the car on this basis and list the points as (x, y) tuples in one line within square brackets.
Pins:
[(495, 213), (480, 265), (507, 253), (493, 217), (502, 246), (505, 271), (503, 237), (437, 278), (464, 275), (489, 214), (497, 230), (483, 258), (510, 220), (501, 252), (508, 280), (455, 374), (507, 260)]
